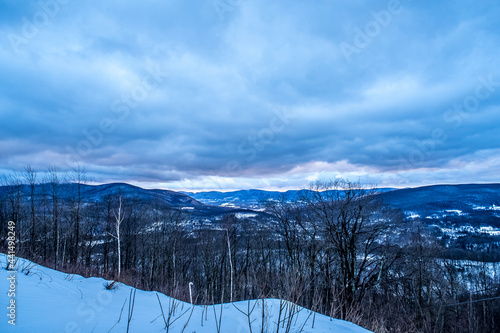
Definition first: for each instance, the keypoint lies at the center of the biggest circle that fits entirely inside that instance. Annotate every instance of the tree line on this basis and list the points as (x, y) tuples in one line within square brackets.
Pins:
[(335, 249)]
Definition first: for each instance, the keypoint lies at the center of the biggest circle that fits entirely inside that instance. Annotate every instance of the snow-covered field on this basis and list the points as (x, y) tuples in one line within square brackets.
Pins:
[(50, 301)]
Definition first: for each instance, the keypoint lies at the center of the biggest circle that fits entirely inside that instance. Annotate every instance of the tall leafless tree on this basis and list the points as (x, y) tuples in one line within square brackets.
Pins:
[(79, 178), (353, 230), (30, 178), (54, 181), (119, 217)]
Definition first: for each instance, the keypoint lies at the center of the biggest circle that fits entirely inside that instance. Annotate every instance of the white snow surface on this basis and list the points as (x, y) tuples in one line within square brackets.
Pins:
[(51, 301)]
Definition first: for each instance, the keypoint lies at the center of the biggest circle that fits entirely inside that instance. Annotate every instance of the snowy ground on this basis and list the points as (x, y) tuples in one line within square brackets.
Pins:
[(51, 301)]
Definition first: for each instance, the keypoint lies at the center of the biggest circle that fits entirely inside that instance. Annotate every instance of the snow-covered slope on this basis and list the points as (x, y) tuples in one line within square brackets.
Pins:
[(51, 301)]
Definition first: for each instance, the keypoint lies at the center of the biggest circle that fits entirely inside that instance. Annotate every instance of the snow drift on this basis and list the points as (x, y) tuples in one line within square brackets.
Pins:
[(50, 301)]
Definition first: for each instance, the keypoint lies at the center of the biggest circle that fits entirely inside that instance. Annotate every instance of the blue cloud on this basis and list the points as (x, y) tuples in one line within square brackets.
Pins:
[(186, 94)]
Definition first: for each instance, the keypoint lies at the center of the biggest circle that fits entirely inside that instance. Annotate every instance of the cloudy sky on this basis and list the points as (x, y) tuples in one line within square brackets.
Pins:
[(230, 94)]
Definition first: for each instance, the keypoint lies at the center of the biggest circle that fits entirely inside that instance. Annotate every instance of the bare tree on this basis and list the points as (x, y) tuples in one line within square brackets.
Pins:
[(119, 217), (231, 266), (286, 217), (79, 178), (30, 178), (54, 181), (13, 191), (14, 185), (353, 231)]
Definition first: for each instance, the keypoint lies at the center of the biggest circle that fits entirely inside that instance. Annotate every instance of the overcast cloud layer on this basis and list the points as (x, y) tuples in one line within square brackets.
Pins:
[(230, 94)]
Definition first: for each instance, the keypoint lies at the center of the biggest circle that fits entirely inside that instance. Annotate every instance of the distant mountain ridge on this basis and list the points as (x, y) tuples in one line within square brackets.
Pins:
[(466, 197), (461, 196), (250, 198), (172, 198), (472, 199), (133, 194), (98, 193)]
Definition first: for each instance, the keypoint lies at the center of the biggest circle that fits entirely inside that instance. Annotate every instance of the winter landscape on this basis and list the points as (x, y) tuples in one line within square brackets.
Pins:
[(250, 166)]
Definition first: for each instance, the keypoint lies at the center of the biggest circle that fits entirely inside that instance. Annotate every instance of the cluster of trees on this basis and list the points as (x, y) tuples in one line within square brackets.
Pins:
[(43, 221), (335, 250)]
